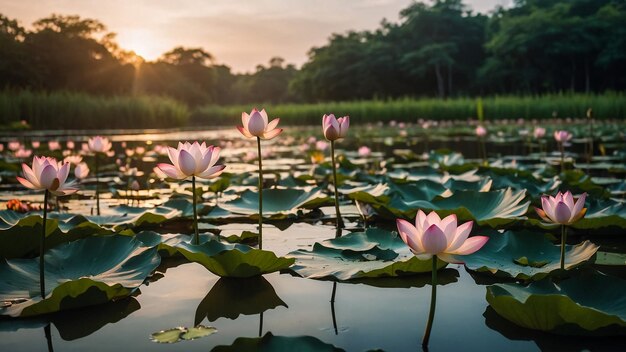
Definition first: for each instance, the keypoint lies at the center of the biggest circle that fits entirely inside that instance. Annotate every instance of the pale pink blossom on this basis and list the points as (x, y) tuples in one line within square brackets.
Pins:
[(99, 144), (47, 174), (335, 128), (256, 125), (192, 160), (432, 235), (562, 209)]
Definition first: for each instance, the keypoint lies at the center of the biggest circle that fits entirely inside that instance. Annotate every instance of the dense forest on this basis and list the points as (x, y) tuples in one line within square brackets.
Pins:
[(436, 49)]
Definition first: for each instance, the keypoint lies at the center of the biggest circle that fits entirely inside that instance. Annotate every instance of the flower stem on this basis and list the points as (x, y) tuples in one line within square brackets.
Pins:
[(338, 213), (562, 149), (433, 302), (42, 247), (196, 237), (97, 187), (483, 150), (563, 240), (258, 141)]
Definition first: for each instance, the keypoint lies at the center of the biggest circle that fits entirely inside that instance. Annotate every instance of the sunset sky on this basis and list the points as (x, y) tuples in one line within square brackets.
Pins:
[(240, 34)]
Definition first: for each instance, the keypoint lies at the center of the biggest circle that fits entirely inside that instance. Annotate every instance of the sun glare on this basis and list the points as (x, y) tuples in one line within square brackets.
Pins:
[(141, 42)]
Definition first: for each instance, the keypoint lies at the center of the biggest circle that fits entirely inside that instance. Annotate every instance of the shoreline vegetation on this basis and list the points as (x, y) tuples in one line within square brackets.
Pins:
[(67, 110)]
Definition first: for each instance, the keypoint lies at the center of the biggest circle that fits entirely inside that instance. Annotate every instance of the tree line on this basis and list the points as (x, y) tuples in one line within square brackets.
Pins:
[(436, 49)]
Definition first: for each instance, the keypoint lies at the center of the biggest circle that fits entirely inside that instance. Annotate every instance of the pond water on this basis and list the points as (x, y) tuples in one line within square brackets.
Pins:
[(379, 314)]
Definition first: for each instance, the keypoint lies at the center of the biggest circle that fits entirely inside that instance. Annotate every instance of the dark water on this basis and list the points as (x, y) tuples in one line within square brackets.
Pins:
[(392, 319)]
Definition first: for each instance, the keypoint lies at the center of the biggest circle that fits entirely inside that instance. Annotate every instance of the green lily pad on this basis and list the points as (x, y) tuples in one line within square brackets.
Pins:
[(169, 335), (589, 303), (612, 259), (271, 343), (526, 255), (77, 274), (494, 208), (277, 202), (238, 260), (20, 236), (231, 297), (182, 334), (369, 254), (534, 187), (246, 237)]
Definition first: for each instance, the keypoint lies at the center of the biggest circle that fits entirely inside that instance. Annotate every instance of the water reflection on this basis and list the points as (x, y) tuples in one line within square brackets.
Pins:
[(269, 342), (79, 323), (46, 330), (332, 307), (444, 277), (74, 324), (231, 297), (552, 342)]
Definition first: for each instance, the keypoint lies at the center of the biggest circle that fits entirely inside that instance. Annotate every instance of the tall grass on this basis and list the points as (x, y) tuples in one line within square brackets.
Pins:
[(64, 110), (608, 105)]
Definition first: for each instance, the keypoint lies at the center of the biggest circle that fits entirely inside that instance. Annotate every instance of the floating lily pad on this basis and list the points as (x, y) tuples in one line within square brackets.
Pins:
[(526, 255), (373, 253), (588, 303), (182, 334), (494, 208), (233, 260), (277, 202), (271, 343), (20, 236), (246, 237), (81, 273), (231, 297)]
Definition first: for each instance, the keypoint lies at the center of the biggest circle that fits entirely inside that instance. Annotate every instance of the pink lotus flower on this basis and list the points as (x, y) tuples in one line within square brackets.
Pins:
[(481, 131), (70, 144), (47, 174), (321, 145), (335, 128), (35, 144), (81, 171), (562, 136), (73, 159), (364, 151), (539, 132), (99, 144), (562, 209), (433, 236), (23, 153), (256, 125), (14, 145), (192, 160), (54, 145)]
